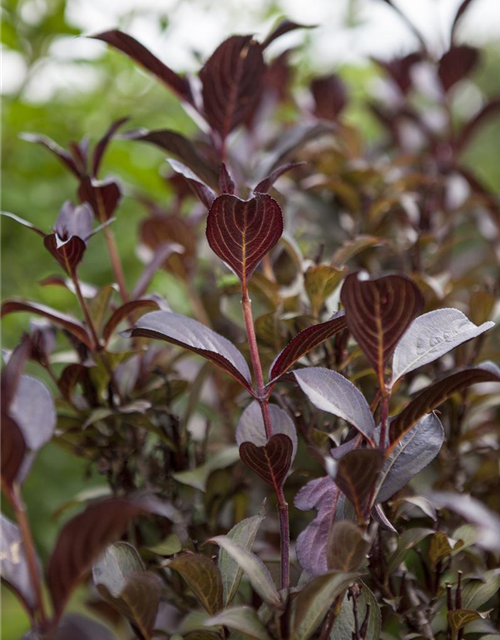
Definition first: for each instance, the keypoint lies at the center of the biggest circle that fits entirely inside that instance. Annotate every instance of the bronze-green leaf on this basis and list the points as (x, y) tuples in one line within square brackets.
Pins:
[(203, 578)]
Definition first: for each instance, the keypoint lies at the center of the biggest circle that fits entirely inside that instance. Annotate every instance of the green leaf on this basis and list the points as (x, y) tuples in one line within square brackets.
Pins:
[(255, 569), (409, 539), (320, 282), (243, 533), (478, 592), (167, 547), (203, 578), (198, 477), (242, 619), (314, 601), (440, 547), (347, 546), (344, 623)]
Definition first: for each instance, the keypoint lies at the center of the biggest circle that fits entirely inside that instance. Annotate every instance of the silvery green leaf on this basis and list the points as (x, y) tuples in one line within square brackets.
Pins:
[(242, 619), (414, 452), (255, 569), (243, 533), (344, 623), (432, 335), (331, 392), (251, 428)]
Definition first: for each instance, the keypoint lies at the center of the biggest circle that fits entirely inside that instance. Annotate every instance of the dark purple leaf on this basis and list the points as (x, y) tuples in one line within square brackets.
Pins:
[(138, 52), (102, 195), (456, 64), (81, 541), (378, 312), (305, 341), (250, 427), (58, 151), (232, 80), (399, 69), (25, 223), (103, 143), (330, 391), (13, 450), (322, 495), (68, 253), (347, 546), (66, 322), (226, 183), (356, 476), (203, 578), (265, 185), (272, 461), (431, 397), (70, 377), (193, 335), (14, 568), (330, 96), (285, 26), (74, 626), (241, 232), (126, 310), (413, 452), (202, 190), (178, 144)]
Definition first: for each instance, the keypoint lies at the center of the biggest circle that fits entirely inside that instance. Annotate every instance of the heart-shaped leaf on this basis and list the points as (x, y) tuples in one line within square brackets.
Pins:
[(271, 462), (81, 541), (242, 619), (13, 565), (244, 533), (250, 427), (378, 312), (305, 341), (13, 450), (68, 253), (66, 322), (357, 473), (254, 568), (313, 602), (431, 336), (330, 391), (322, 495), (413, 452), (431, 397), (347, 546), (241, 232), (192, 335), (138, 52), (203, 578), (232, 82), (102, 195)]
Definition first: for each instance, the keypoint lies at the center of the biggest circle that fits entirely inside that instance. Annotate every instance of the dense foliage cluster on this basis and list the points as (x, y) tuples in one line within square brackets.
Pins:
[(264, 487)]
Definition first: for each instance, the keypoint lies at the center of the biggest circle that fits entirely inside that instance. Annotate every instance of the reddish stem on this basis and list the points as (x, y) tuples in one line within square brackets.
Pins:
[(15, 498), (263, 400), (85, 309)]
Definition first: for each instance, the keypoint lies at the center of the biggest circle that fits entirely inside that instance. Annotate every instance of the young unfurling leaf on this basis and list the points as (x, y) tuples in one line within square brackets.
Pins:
[(241, 232)]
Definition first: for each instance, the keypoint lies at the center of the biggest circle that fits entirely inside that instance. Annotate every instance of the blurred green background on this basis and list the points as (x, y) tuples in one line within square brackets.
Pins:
[(59, 84)]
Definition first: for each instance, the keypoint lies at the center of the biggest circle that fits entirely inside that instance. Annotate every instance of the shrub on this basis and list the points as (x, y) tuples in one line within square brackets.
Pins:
[(331, 393)]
